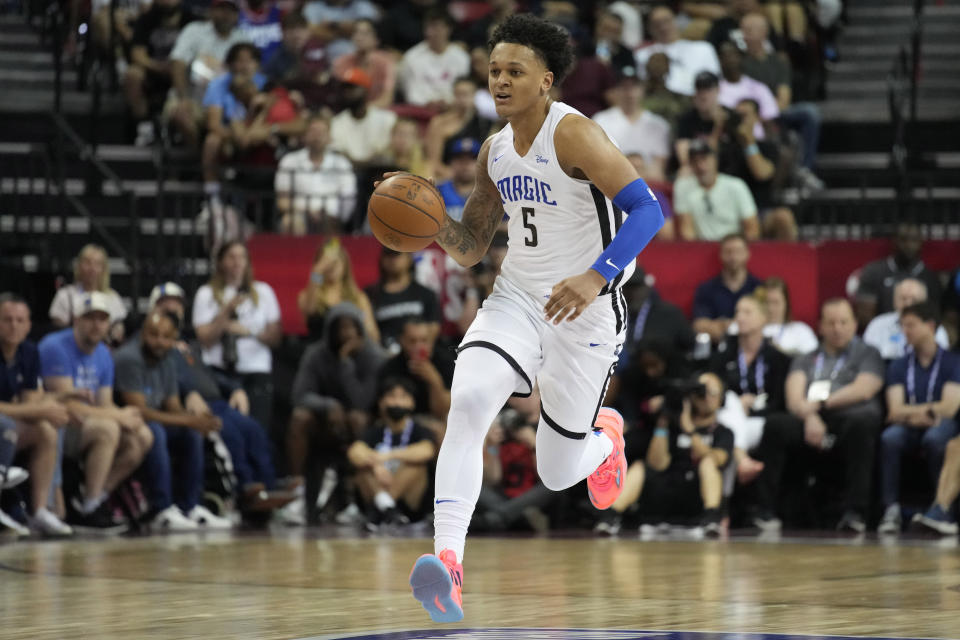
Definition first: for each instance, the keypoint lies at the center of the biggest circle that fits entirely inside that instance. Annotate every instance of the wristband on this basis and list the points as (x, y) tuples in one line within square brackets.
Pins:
[(660, 432), (644, 219), (316, 278), (752, 149)]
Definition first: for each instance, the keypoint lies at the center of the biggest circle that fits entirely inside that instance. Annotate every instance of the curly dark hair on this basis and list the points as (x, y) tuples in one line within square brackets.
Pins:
[(549, 41)]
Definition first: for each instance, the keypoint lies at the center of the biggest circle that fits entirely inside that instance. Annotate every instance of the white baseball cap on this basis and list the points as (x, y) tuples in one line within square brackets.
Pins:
[(166, 290), (93, 302)]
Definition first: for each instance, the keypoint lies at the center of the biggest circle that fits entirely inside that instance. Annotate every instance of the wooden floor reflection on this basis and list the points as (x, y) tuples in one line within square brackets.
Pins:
[(293, 585)]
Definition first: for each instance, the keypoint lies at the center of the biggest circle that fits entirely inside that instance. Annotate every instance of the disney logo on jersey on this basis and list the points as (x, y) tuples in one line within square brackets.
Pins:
[(527, 188), (542, 160)]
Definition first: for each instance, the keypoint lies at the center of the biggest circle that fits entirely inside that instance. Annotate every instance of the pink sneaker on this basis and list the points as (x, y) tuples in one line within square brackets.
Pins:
[(605, 484), (437, 582)]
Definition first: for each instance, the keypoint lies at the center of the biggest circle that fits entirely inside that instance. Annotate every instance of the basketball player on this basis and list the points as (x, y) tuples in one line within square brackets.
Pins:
[(556, 313)]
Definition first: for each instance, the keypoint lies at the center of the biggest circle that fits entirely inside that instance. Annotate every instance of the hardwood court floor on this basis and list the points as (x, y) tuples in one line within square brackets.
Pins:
[(293, 584)]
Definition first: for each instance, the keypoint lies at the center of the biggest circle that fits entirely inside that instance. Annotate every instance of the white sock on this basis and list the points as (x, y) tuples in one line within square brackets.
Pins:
[(451, 517), (482, 383), (90, 504), (383, 501)]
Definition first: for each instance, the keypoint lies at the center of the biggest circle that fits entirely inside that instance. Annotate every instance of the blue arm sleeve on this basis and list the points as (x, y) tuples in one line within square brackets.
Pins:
[(644, 220)]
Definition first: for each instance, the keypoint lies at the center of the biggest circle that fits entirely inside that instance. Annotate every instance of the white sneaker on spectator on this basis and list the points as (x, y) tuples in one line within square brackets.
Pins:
[(327, 485), (46, 523), (15, 476), (9, 523), (145, 134), (890, 523), (172, 519), (350, 515), (206, 519), (767, 522), (294, 513)]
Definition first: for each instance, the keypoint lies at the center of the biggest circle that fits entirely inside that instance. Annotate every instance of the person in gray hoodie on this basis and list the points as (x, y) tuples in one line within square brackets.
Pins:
[(333, 392)]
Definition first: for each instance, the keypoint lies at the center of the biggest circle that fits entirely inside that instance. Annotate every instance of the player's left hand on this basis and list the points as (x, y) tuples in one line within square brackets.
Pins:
[(571, 296)]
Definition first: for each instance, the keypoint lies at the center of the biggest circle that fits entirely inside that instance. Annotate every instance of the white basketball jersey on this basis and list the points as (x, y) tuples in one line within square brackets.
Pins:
[(558, 225)]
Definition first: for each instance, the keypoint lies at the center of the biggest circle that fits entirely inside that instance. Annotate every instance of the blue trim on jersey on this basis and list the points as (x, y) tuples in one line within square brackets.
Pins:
[(644, 220)]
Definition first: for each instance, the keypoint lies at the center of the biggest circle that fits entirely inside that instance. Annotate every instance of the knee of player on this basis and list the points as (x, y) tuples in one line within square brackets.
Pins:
[(469, 396), (552, 478)]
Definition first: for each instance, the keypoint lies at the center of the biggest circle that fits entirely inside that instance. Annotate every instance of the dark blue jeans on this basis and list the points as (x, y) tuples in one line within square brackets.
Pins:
[(899, 439), (804, 118), (8, 444), (173, 468), (248, 445)]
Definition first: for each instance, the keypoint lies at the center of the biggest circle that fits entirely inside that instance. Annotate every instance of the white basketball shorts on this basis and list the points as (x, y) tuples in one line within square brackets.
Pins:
[(572, 361)]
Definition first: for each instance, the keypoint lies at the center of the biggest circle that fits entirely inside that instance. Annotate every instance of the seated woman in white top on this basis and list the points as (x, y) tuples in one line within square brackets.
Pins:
[(237, 320), (790, 336), (91, 272)]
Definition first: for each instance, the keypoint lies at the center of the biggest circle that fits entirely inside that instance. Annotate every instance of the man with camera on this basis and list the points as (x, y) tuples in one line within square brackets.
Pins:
[(832, 403), (430, 369), (682, 475)]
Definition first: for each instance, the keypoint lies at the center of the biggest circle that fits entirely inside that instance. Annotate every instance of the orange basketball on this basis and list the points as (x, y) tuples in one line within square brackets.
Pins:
[(405, 212)]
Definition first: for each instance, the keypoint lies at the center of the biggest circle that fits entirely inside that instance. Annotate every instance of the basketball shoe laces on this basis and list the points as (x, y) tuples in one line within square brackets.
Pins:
[(449, 559), (605, 474)]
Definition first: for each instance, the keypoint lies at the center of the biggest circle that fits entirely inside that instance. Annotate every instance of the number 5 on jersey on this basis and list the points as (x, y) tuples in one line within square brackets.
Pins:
[(528, 224)]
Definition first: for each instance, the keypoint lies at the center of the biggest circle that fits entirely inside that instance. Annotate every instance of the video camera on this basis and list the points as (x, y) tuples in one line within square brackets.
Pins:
[(678, 390)]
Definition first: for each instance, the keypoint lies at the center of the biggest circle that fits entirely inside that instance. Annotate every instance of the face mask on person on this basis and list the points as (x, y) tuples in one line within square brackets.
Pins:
[(397, 413)]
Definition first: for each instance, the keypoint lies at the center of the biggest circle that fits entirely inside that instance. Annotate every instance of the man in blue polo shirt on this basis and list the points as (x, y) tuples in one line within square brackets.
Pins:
[(716, 299), (77, 365), (461, 155), (923, 395), (28, 419)]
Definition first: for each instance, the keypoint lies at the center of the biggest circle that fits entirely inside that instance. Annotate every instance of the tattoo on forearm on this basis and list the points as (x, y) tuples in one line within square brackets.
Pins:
[(480, 220), (454, 236)]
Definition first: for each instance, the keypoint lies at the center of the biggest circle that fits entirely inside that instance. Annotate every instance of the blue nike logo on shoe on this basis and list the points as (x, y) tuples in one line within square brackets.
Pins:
[(597, 344), (442, 501)]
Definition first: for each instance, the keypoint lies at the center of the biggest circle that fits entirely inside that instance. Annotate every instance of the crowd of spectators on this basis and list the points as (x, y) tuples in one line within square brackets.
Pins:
[(245, 83), (739, 415)]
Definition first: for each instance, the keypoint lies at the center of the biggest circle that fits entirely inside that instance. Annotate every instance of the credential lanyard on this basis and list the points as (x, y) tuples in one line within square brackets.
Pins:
[(912, 377), (759, 372)]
